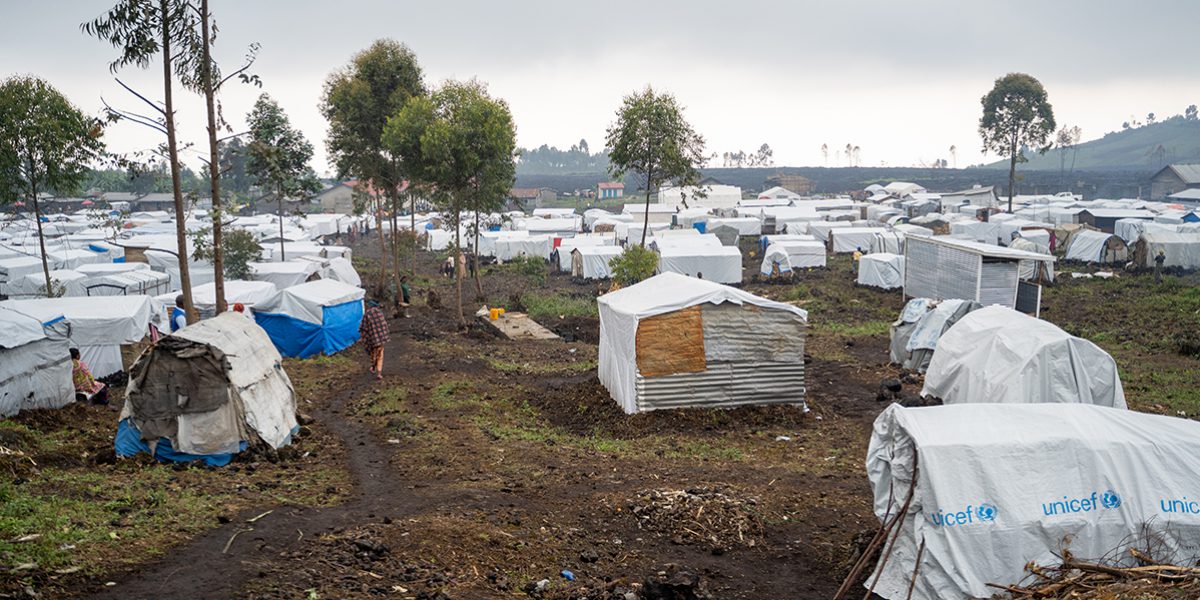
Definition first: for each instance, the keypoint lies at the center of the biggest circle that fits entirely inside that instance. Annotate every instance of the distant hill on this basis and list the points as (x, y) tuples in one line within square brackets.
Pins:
[(1145, 148)]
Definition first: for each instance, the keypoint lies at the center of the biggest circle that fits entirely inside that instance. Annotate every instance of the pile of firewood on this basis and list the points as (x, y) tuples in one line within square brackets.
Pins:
[(1151, 580)]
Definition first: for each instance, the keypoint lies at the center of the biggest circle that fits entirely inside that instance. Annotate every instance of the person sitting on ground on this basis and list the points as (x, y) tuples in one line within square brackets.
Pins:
[(86, 386), (374, 333), (178, 316), (448, 267)]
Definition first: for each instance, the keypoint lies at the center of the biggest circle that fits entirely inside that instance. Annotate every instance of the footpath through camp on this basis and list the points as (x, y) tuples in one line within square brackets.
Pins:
[(487, 467)]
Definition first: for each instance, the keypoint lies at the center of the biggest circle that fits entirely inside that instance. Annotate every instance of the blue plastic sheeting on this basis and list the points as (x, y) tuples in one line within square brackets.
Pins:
[(99, 249), (700, 226), (301, 339), (129, 443), (493, 228), (119, 259)]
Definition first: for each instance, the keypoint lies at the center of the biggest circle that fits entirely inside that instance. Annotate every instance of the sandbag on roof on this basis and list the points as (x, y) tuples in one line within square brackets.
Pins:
[(997, 354), (1000, 486), (208, 390)]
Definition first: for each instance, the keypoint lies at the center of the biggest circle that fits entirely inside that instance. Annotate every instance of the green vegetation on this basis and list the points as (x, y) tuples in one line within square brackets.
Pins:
[(867, 328), (386, 401), (1149, 147), (633, 265), (530, 267), (554, 305)]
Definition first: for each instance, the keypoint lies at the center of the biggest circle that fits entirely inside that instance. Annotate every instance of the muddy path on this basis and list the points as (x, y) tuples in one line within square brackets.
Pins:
[(218, 563)]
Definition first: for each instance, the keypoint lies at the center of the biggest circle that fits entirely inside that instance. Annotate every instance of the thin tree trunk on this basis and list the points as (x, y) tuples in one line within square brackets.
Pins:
[(185, 278), (383, 253), (37, 216), (412, 216), (282, 255), (214, 169), (395, 197), (1012, 179), (462, 320), (646, 219), (475, 258)]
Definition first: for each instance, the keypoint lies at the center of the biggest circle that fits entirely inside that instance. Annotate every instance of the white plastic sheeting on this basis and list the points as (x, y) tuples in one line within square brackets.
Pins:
[(792, 254), (568, 244), (341, 269), (999, 355), (284, 274), (882, 270), (35, 368), (722, 264), (534, 246), (1091, 246), (1180, 249), (821, 229), (592, 262), (33, 285), (849, 239), (745, 226), (622, 310), (999, 487)]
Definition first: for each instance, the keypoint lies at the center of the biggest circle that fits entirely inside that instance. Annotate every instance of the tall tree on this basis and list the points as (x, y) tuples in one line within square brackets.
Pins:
[(954, 155), (206, 79), (45, 144), (825, 153), (143, 30), (1016, 114), (279, 156), (461, 143), (651, 138), (357, 102)]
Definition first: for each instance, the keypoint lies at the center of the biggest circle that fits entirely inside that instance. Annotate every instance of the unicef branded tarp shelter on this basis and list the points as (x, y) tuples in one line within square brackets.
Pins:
[(207, 392), (996, 354), (997, 487), (318, 317), (673, 341), (35, 363)]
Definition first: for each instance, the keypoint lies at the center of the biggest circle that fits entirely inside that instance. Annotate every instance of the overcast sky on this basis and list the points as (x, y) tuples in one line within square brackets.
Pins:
[(901, 80)]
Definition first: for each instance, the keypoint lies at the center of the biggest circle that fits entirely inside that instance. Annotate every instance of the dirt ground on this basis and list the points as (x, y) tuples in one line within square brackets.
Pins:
[(486, 468)]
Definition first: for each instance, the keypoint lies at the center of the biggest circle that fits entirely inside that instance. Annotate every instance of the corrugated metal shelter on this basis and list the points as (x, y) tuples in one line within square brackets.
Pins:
[(673, 341), (940, 268)]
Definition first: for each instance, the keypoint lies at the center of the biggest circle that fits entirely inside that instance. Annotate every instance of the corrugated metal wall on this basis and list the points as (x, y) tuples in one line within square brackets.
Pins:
[(998, 283)]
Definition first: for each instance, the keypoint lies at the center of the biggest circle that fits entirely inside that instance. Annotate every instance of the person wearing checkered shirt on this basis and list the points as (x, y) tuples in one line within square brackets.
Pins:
[(374, 334)]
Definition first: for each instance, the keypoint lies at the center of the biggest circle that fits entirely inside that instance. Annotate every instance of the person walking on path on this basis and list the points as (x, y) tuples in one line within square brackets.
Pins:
[(1159, 259), (374, 332)]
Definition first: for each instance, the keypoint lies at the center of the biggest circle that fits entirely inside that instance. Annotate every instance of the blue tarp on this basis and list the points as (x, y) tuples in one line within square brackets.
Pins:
[(296, 338), (129, 443), (700, 226)]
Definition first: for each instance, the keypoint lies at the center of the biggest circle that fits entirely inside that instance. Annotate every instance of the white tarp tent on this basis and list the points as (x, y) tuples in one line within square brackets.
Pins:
[(849, 239), (821, 229), (100, 325), (882, 270), (1180, 249), (63, 282), (999, 487), (341, 269), (673, 341), (1096, 247), (586, 239), (592, 262), (722, 264), (788, 255), (997, 354), (35, 363), (533, 246), (745, 226), (284, 274)]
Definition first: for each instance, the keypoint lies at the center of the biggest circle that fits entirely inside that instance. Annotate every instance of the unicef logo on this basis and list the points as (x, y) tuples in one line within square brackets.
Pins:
[(1110, 499), (987, 512)]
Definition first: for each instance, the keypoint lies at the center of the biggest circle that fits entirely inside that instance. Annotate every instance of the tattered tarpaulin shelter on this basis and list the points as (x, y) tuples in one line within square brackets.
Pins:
[(674, 342), (915, 334), (206, 392), (35, 363), (318, 317), (592, 262), (996, 354), (996, 487)]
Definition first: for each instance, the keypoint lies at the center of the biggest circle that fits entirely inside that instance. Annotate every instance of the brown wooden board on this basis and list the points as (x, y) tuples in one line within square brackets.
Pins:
[(671, 343)]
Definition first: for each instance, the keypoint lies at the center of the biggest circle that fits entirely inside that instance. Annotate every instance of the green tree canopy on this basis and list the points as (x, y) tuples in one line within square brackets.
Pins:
[(45, 144), (651, 138), (459, 142), (279, 155), (1016, 114)]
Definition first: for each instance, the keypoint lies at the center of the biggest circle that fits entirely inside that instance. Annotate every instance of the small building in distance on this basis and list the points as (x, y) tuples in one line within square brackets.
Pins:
[(532, 197), (337, 198), (797, 184), (1173, 179), (606, 190)]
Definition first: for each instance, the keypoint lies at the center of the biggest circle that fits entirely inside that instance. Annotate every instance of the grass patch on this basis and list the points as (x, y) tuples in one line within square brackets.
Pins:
[(507, 366), (450, 395), (539, 305), (1177, 390), (387, 401), (869, 328)]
